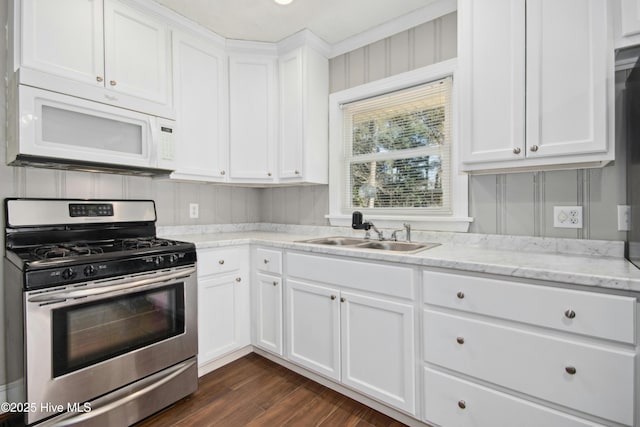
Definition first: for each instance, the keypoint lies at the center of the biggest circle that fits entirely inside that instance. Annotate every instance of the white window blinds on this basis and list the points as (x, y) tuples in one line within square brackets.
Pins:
[(398, 151)]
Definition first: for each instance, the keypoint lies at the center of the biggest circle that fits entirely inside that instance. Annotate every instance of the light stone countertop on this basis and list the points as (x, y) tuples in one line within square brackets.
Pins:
[(575, 262)]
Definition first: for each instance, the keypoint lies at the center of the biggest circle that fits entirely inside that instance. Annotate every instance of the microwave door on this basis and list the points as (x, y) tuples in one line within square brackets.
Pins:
[(58, 127)]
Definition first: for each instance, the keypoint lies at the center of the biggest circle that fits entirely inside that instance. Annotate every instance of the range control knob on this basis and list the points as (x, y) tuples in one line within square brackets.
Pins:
[(68, 273), (89, 270), (158, 260), (173, 258)]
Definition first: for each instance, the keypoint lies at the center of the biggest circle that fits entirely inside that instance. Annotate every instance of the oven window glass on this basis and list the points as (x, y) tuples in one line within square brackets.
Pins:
[(89, 333)]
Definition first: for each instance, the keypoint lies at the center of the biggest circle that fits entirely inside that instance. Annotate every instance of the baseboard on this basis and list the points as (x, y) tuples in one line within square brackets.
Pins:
[(205, 368)]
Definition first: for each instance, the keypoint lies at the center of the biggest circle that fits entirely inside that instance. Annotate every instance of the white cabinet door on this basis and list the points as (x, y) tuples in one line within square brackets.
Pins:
[(74, 49), (492, 72), (630, 17), (568, 60), (253, 118), (378, 349), (137, 55), (268, 311), (291, 114), (224, 303), (201, 108), (223, 315), (313, 327), (304, 95)]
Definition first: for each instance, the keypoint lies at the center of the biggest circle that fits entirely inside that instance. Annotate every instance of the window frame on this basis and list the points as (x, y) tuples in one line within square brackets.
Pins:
[(339, 214)]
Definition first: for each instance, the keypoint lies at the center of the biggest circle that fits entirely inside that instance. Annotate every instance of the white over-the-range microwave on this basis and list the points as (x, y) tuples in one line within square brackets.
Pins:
[(49, 129)]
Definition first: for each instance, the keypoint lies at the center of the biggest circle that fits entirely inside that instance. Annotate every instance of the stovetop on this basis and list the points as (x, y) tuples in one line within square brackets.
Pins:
[(55, 242)]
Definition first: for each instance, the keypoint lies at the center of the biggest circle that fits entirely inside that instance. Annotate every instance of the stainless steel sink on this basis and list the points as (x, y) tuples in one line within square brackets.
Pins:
[(356, 243), (398, 246), (337, 241)]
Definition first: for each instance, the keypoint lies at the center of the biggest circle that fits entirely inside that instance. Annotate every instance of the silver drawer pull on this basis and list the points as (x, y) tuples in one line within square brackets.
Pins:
[(460, 294), (516, 150), (266, 261), (462, 404), (570, 314), (534, 148), (238, 279), (333, 297), (221, 262), (571, 370), (460, 340), (275, 283)]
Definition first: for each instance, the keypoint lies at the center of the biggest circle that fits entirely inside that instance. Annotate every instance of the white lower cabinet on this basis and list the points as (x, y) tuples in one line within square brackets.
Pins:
[(364, 340), (267, 299), (268, 312), (503, 342), (451, 401), (313, 327), (223, 302)]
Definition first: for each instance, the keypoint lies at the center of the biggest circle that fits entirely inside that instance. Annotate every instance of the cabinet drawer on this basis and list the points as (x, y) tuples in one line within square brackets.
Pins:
[(451, 401), (539, 365), (367, 276), (589, 313), (268, 261), (221, 260)]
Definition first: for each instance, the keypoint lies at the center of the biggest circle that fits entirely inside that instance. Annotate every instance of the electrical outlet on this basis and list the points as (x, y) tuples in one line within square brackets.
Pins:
[(193, 210), (624, 217), (567, 216)]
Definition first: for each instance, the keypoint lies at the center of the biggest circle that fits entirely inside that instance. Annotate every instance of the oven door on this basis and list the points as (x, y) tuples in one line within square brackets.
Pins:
[(86, 340)]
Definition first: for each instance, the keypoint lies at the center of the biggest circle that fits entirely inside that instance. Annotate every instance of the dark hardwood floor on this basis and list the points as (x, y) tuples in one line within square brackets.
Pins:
[(254, 391)]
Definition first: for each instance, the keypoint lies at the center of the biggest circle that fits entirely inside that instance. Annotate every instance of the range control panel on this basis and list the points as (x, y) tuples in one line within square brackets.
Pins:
[(90, 209)]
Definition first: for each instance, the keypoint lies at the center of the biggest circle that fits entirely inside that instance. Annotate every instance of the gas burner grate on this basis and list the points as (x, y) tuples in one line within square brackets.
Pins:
[(65, 250), (142, 243)]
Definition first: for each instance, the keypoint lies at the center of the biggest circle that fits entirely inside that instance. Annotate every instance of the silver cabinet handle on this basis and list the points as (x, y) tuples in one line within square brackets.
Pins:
[(238, 279), (571, 370), (297, 172), (333, 297), (99, 79), (268, 173), (460, 340), (266, 261), (534, 148), (221, 262), (275, 283), (342, 299), (517, 150), (462, 404), (460, 295), (113, 82), (222, 172), (570, 314)]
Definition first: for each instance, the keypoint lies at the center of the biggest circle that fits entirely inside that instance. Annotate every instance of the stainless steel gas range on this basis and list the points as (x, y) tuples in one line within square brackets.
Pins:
[(101, 314)]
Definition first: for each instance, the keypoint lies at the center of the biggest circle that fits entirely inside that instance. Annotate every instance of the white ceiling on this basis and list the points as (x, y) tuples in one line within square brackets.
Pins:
[(264, 20)]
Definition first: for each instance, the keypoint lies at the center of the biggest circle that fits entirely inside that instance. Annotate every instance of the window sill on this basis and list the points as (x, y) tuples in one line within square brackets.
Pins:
[(427, 223)]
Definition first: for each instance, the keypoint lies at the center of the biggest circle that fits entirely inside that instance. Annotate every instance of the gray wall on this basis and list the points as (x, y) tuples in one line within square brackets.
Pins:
[(520, 203)]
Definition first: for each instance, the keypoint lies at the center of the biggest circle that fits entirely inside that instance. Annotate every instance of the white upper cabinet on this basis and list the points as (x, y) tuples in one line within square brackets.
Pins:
[(304, 96), (137, 54), (536, 84), (627, 23), (102, 50), (49, 25), (253, 109), (200, 72)]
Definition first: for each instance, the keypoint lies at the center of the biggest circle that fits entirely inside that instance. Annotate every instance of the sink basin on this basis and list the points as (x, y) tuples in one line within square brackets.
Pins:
[(398, 246), (356, 243), (337, 241)]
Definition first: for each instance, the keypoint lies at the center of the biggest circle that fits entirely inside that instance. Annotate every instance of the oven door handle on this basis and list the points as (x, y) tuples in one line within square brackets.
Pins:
[(80, 293)]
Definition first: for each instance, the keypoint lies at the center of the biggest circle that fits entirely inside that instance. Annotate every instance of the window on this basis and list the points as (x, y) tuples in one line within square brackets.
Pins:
[(393, 152), (398, 150)]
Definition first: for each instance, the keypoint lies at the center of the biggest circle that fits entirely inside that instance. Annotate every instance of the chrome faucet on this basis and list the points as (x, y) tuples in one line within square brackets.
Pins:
[(407, 230)]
